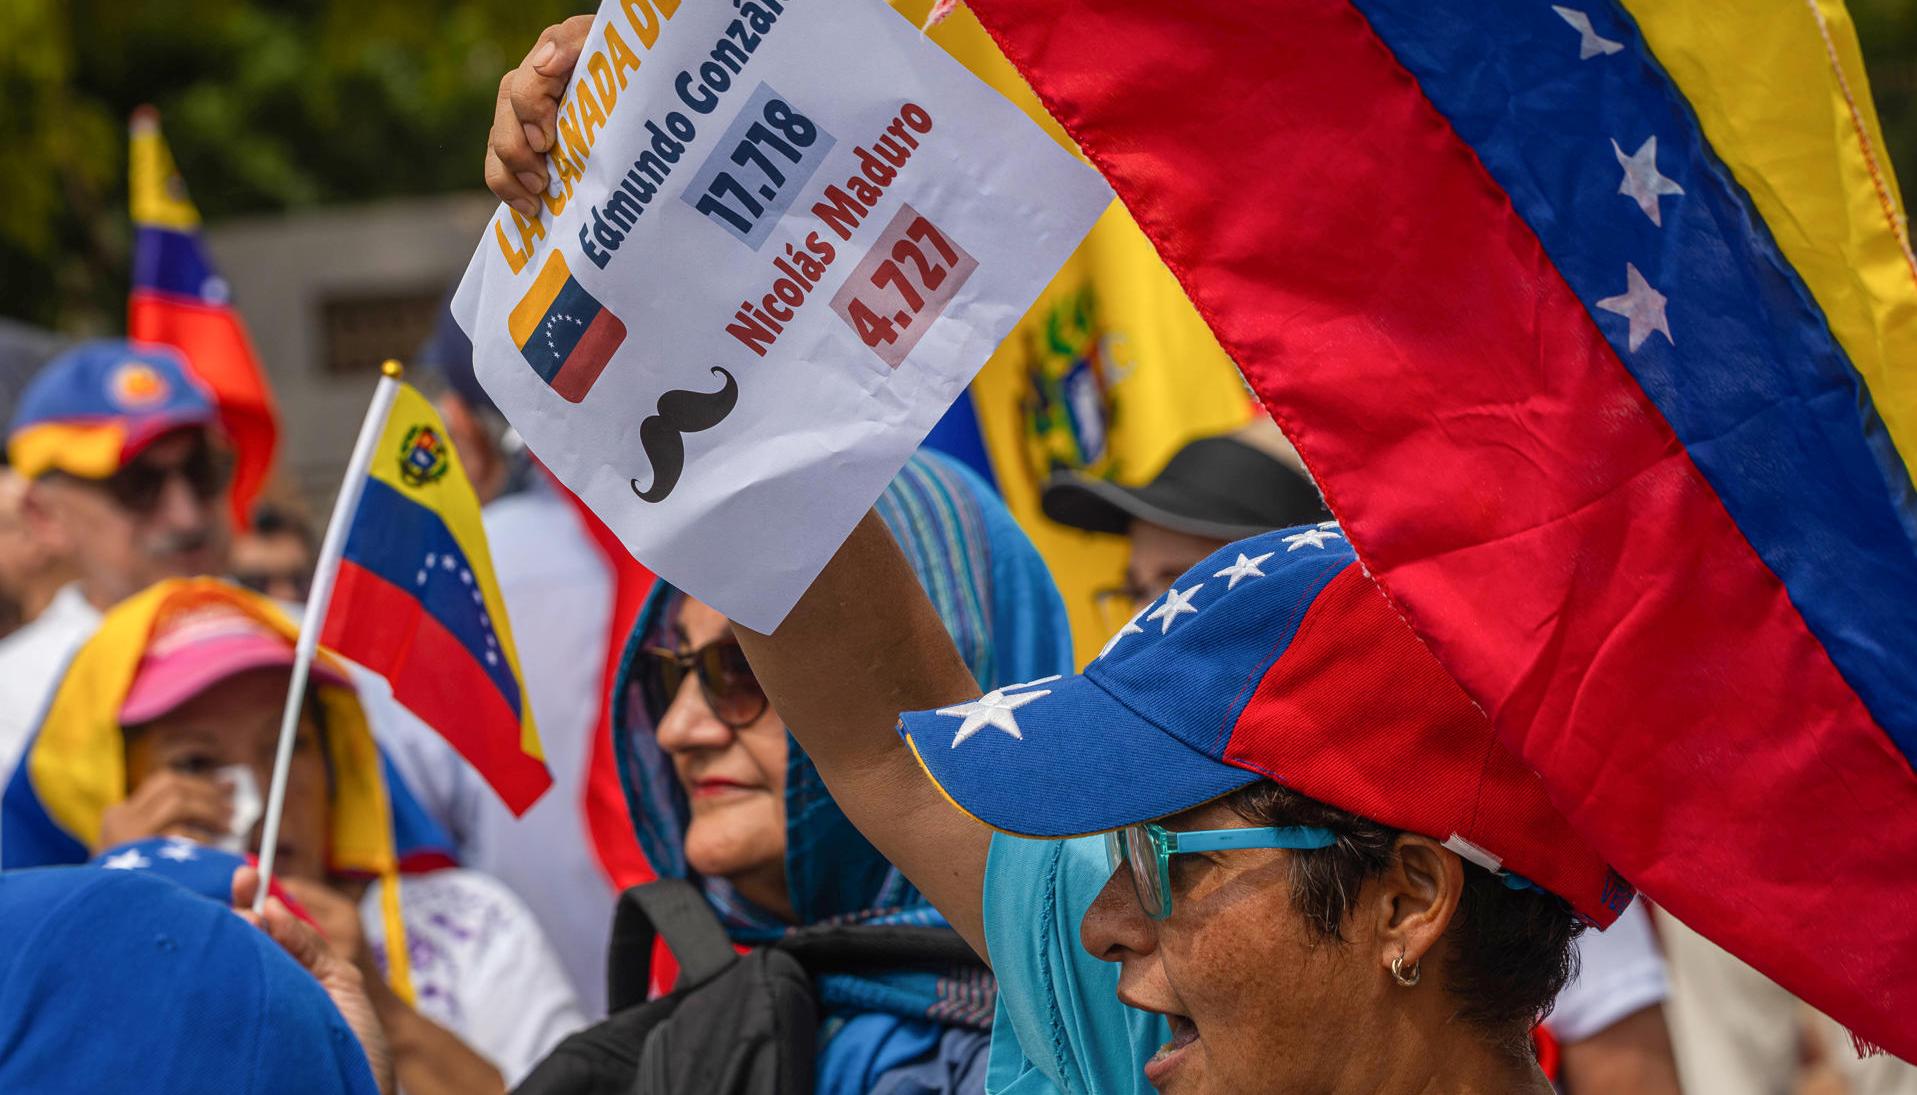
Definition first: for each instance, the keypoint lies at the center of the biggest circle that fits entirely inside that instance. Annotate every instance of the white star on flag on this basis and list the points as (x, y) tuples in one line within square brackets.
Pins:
[(1243, 568), (995, 709), (129, 860), (1314, 537), (1643, 183), (1590, 42), (1131, 628), (1176, 604), (1642, 305), (178, 850)]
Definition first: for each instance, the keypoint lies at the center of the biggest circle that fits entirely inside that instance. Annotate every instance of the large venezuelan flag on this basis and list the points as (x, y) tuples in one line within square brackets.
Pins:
[(417, 602), (1597, 323), (178, 300), (1111, 371)]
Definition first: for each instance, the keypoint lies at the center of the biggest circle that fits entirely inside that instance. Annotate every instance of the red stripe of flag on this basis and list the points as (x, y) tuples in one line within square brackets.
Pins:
[(384, 628), (589, 356), (1509, 484), (217, 349)]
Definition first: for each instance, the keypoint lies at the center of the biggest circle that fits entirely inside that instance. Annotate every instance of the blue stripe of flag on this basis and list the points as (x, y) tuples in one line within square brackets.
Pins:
[(959, 436), (173, 262), (565, 322), (1752, 382), (408, 545)]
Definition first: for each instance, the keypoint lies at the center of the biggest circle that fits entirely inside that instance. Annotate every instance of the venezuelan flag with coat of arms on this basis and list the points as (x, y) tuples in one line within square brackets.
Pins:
[(417, 602), (179, 301), (1110, 372), (1597, 322)]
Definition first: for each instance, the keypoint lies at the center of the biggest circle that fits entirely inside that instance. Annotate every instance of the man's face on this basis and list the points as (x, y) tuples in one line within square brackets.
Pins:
[(161, 516), (1159, 556), (276, 564)]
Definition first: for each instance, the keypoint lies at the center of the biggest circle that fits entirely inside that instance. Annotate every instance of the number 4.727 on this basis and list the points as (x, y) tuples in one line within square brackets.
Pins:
[(874, 330)]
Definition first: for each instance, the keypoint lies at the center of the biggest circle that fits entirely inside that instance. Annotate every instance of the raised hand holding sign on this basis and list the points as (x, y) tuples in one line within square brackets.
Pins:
[(765, 248)]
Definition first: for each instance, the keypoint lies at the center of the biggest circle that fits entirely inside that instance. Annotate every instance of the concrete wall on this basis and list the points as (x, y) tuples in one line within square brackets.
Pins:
[(328, 293)]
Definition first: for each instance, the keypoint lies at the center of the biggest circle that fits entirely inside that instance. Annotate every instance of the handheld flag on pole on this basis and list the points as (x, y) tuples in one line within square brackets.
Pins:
[(1595, 323), (417, 602), (179, 300)]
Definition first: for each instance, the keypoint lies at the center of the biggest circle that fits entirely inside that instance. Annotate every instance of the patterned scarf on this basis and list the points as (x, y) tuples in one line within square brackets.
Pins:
[(997, 600)]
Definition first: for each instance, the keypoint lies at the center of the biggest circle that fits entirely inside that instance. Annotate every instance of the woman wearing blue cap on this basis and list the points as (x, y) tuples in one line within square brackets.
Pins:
[(1319, 869)]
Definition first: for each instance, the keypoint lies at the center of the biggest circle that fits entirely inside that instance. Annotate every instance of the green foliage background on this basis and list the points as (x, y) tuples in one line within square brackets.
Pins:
[(282, 104), (267, 105)]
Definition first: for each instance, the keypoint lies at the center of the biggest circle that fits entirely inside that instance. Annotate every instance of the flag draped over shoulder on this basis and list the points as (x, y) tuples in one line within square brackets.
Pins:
[(1596, 323), (178, 300), (1111, 371), (74, 767), (418, 603)]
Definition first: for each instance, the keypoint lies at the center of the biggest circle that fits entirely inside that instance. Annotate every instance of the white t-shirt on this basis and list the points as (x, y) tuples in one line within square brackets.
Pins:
[(558, 594), (32, 660), (480, 966), (1620, 972)]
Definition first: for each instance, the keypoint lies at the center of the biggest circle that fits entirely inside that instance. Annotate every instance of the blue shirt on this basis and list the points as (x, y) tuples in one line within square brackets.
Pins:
[(1060, 1026)]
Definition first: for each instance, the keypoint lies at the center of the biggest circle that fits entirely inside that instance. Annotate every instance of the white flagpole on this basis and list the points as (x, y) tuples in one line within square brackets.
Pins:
[(325, 570)]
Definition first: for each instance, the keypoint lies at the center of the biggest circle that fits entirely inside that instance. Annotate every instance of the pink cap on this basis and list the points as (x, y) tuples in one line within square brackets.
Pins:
[(199, 646)]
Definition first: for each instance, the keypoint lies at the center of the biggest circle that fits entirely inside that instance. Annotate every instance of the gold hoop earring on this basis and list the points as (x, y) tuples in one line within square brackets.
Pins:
[(1400, 976)]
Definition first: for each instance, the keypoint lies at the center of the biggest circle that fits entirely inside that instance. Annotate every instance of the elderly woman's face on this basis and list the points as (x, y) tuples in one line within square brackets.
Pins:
[(733, 778), (1256, 1000)]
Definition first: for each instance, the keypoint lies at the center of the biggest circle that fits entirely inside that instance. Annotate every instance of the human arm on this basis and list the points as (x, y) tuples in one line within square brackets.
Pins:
[(862, 645), (1631, 1055), (1610, 1020), (427, 1058)]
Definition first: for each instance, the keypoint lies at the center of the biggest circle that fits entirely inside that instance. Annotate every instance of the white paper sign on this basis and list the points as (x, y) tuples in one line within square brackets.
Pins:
[(782, 237)]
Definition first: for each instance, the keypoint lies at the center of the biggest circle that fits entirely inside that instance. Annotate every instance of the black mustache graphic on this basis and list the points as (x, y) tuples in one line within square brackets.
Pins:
[(680, 412)]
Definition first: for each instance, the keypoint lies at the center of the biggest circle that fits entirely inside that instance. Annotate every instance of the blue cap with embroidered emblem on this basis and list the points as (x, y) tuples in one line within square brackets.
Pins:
[(1274, 658), (95, 407)]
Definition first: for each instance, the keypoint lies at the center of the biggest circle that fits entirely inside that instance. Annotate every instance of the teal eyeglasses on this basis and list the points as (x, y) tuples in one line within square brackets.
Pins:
[(1149, 848)]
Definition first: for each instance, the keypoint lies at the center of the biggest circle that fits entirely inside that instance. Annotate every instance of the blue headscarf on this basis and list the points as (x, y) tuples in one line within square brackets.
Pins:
[(896, 1030), (120, 981)]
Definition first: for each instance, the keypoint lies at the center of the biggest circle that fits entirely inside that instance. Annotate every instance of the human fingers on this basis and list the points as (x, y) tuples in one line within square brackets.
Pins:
[(299, 939), (168, 803), (336, 915), (526, 112), (506, 149), (540, 82), (246, 886), (192, 807)]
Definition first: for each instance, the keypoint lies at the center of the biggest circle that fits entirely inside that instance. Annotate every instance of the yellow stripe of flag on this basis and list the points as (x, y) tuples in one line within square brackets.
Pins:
[(1780, 90)]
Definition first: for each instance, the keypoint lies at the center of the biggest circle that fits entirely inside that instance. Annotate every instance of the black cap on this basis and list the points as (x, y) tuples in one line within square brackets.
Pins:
[(1218, 487)]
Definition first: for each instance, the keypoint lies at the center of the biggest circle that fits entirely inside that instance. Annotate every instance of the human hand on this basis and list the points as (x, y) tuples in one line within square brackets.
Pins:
[(341, 979), (526, 115), (169, 803), (338, 918)]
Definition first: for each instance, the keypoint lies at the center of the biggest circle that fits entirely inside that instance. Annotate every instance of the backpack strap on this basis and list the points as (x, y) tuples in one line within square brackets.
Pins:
[(674, 909), (840, 947)]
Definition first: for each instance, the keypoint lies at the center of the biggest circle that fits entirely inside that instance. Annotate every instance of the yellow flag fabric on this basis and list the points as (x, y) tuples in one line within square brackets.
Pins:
[(1778, 85), (1111, 372), (75, 767), (418, 603)]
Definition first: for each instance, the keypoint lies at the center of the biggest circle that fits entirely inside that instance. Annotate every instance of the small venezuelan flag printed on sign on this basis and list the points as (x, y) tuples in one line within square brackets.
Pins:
[(565, 333)]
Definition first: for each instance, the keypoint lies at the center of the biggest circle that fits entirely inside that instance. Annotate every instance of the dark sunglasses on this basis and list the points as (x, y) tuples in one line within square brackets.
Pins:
[(139, 486), (725, 679)]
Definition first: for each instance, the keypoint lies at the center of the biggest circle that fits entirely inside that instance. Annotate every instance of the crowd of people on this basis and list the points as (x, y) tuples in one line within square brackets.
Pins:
[(1261, 842)]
